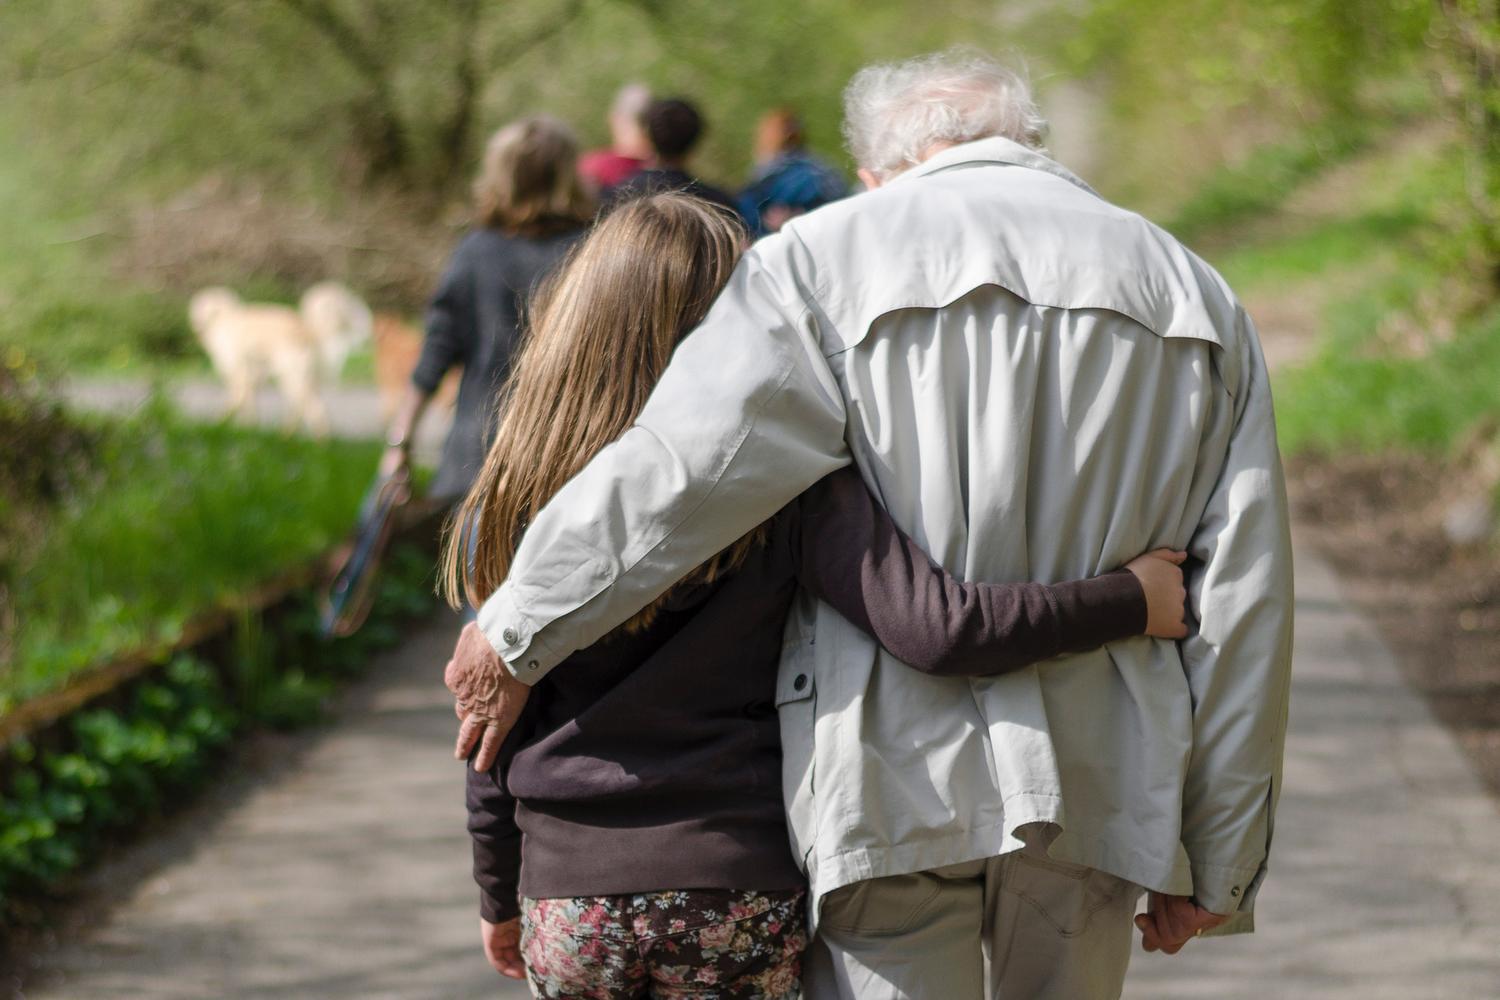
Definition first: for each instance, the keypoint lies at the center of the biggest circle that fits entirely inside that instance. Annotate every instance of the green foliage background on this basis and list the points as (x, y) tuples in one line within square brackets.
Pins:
[(326, 96), (338, 136)]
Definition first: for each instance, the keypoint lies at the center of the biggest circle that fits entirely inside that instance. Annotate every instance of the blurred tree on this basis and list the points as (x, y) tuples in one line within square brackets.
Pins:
[(1470, 33), (1197, 82), (353, 93), (395, 86), (326, 102)]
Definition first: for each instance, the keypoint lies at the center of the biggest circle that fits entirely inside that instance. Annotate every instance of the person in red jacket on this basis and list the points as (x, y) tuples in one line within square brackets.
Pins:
[(629, 148)]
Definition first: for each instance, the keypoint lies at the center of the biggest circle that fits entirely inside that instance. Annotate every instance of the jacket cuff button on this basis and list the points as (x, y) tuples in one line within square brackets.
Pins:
[(800, 682)]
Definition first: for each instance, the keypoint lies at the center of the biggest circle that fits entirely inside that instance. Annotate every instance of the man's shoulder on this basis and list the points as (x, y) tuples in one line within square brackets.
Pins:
[(930, 240)]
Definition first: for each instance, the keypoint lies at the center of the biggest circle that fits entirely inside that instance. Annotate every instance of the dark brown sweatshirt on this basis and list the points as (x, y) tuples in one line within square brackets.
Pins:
[(652, 760)]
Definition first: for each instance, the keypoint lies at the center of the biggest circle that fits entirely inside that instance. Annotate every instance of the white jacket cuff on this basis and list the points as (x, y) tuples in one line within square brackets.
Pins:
[(514, 636)]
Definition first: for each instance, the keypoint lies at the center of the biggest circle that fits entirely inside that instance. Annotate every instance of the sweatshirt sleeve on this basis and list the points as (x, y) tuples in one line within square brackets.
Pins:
[(854, 557), (496, 837)]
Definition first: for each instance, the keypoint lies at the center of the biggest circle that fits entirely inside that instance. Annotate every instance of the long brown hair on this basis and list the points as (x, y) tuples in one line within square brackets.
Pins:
[(528, 182), (603, 329)]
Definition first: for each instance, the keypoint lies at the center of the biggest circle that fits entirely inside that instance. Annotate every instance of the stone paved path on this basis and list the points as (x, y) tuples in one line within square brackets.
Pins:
[(1386, 867)]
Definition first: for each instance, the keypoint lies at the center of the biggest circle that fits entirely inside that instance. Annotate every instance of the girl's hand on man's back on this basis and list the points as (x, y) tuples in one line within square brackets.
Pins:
[(1160, 574)]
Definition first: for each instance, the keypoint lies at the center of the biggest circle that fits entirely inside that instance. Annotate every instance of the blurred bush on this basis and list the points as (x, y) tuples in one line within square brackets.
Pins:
[(44, 455), (176, 518)]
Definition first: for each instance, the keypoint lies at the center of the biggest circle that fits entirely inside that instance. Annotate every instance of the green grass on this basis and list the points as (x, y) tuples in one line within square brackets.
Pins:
[(1322, 249), (180, 517), (1404, 195), (1235, 195), (1384, 259), (1407, 252), (1351, 400)]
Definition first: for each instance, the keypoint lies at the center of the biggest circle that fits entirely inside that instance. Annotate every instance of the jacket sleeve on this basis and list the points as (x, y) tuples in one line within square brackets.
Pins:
[(853, 556), (449, 324), (746, 417), (1238, 657), (493, 832)]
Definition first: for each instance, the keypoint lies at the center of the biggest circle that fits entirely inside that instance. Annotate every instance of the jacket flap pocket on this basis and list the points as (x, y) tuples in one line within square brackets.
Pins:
[(794, 681)]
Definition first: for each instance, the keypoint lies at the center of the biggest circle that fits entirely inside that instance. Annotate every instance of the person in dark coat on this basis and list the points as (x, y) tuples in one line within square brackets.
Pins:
[(674, 127), (530, 208)]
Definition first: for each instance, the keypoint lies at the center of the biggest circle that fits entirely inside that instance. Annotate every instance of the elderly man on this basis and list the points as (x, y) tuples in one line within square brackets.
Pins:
[(1038, 385)]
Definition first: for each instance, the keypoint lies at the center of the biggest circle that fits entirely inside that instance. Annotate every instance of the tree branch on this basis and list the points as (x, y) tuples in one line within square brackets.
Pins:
[(387, 141), (344, 37), (520, 45), (453, 138)]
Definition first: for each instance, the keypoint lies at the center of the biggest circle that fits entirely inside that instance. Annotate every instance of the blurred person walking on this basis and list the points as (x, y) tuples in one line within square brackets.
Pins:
[(1037, 384), (674, 127), (629, 147), (529, 209), (788, 179)]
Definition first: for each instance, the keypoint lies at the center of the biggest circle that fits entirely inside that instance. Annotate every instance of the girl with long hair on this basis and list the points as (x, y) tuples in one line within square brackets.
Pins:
[(630, 840)]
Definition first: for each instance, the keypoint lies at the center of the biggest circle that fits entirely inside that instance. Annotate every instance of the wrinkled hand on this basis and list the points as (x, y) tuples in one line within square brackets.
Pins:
[(502, 946), (1160, 574), (487, 697), (1172, 921)]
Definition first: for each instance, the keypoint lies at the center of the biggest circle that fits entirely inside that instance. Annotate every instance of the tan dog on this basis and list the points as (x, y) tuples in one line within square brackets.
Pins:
[(298, 348), (339, 321)]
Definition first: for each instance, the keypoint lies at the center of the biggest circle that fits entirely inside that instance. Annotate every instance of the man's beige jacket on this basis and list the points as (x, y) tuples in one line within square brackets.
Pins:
[(1039, 386)]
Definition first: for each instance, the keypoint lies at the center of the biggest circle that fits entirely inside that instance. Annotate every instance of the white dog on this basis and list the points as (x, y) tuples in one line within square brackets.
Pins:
[(299, 348)]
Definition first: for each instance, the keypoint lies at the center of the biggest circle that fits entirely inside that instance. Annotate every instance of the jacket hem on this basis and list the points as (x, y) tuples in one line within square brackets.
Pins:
[(830, 871)]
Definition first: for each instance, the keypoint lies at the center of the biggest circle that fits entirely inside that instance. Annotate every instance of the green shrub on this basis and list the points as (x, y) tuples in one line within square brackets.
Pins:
[(121, 766), (88, 330)]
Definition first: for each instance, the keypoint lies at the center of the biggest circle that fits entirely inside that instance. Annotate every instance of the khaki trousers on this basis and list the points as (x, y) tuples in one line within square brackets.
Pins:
[(1017, 927)]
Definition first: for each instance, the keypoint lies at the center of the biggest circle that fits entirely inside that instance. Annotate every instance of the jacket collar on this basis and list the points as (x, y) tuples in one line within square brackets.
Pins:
[(992, 150)]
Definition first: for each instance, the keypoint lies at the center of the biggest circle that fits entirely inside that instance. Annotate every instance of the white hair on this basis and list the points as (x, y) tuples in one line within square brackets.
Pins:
[(895, 112)]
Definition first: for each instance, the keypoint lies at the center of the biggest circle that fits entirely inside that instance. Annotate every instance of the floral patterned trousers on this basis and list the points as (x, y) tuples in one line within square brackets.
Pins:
[(722, 944)]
